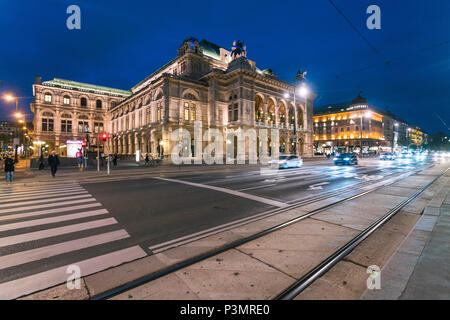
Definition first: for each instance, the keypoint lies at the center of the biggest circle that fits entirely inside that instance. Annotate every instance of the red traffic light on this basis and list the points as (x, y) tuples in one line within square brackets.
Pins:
[(104, 136), (83, 144)]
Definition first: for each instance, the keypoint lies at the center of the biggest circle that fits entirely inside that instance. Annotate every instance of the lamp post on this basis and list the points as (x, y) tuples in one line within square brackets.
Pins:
[(395, 125), (17, 114)]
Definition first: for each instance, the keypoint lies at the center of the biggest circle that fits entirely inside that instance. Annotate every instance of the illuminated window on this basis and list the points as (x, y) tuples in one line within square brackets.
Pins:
[(186, 111), (48, 97), (66, 100), (159, 111)]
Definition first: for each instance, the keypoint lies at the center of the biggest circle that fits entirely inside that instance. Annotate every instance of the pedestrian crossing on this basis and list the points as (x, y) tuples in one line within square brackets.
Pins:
[(44, 229)]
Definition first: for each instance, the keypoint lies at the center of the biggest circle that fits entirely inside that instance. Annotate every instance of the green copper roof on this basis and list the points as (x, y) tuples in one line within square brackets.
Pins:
[(86, 87), (210, 49)]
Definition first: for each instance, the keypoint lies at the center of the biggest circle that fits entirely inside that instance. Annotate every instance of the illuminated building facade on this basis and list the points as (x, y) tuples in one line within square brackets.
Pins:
[(345, 127), (205, 82)]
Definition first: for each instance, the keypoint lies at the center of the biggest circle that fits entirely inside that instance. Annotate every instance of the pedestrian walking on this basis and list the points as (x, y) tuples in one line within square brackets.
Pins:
[(9, 168), (147, 160), (53, 162), (41, 162), (80, 161), (115, 160)]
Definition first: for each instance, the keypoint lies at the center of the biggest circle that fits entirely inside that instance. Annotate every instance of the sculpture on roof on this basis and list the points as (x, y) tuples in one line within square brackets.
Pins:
[(239, 49), (301, 76)]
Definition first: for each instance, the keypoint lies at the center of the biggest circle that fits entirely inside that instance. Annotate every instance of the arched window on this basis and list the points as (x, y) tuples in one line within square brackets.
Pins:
[(300, 117), (259, 111), (48, 97), (83, 102), (271, 112), (66, 100), (98, 104), (113, 104)]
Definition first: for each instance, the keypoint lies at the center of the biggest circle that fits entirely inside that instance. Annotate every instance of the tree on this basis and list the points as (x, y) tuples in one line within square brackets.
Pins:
[(439, 142)]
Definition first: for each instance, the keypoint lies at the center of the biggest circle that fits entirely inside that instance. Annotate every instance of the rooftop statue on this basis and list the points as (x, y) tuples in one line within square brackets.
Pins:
[(239, 49)]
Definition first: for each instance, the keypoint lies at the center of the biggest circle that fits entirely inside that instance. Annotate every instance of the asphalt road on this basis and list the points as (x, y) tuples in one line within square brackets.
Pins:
[(46, 228)]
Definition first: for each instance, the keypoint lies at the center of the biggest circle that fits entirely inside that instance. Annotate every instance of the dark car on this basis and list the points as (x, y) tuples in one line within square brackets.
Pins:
[(346, 158)]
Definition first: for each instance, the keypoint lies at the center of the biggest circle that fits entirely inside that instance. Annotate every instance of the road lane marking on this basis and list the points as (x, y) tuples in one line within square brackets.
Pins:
[(27, 256), (56, 204), (39, 222), (258, 187), (40, 281), (229, 191), (7, 205), (50, 211), (52, 195), (43, 234)]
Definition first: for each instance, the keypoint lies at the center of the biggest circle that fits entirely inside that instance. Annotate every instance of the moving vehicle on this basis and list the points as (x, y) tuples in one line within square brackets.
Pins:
[(287, 161), (345, 158), (387, 156)]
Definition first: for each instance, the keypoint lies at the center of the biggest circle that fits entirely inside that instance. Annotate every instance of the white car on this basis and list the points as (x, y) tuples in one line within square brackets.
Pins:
[(287, 161)]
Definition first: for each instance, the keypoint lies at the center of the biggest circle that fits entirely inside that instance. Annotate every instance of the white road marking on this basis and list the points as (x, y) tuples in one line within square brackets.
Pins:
[(318, 186), (38, 222), (22, 257), (258, 187), (42, 234), (29, 193), (232, 192), (36, 282), (56, 204), (50, 195), (44, 200), (38, 189), (50, 211)]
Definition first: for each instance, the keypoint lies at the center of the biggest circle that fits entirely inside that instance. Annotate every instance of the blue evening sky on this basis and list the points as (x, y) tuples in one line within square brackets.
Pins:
[(122, 42)]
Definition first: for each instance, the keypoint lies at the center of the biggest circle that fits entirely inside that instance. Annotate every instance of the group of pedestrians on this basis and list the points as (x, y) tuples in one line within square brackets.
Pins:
[(9, 164)]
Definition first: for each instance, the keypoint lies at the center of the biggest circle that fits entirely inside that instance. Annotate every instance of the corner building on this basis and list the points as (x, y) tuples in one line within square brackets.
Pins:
[(204, 83)]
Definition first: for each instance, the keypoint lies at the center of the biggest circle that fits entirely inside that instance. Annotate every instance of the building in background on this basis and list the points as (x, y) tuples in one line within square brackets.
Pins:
[(205, 82), (346, 127), (68, 110)]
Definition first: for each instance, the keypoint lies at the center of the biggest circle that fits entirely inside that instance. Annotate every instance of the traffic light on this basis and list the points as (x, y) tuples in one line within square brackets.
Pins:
[(83, 144), (104, 136)]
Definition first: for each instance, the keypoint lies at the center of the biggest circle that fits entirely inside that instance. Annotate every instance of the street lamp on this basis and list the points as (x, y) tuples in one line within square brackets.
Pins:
[(9, 97)]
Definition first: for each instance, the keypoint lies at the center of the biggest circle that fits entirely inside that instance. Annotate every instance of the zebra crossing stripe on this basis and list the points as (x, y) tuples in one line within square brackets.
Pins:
[(22, 257), (42, 234), (50, 211), (56, 204), (23, 286), (44, 200), (38, 222), (42, 196)]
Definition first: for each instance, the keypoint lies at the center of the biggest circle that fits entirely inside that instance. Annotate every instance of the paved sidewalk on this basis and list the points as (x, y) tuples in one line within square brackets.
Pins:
[(420, 267)]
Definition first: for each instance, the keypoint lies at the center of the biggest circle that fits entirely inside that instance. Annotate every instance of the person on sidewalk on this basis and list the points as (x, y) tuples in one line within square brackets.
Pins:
[(53, 162), (80, 161), (41, 162), (115, 160), (147, 160), (9, 168)]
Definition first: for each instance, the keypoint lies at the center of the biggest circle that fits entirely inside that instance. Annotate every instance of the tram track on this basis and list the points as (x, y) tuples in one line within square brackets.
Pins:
[(177, 266), (322, 268)]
